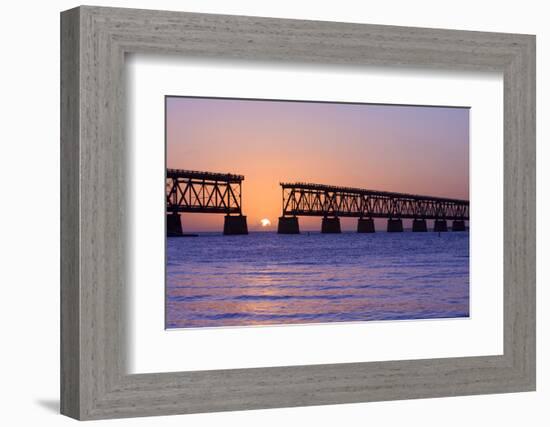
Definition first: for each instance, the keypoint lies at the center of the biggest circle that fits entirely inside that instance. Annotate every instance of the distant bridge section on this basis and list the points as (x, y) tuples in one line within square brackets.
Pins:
[(332, 202), (204, 192), (325, 200)]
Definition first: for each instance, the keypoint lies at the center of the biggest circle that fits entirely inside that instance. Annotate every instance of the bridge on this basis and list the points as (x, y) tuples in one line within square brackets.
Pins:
[(332, 202), (206, 192), (221, 193)]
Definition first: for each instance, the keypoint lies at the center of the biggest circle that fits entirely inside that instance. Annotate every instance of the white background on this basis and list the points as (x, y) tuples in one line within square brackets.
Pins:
[(29, 168), (152, 349)]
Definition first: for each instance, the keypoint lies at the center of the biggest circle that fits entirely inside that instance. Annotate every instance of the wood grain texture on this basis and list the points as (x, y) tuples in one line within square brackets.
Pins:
[(70, 291), (94, 262)]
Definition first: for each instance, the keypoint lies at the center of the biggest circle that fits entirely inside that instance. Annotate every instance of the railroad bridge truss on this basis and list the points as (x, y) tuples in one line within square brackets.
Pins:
[(332, 202), (204, 192)]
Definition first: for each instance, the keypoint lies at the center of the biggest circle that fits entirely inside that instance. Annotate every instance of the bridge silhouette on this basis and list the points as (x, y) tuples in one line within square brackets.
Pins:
[(206, 192), (332, 202), (221, 193)]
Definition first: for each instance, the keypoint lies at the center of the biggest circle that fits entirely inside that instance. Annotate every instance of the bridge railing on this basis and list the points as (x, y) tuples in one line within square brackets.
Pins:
[(209, 176)]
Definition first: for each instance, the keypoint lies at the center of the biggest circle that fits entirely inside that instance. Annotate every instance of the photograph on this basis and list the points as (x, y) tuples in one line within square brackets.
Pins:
[(302, 212)]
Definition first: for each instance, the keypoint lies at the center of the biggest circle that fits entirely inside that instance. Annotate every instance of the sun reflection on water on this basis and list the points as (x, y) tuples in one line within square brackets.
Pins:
[(266, 279)]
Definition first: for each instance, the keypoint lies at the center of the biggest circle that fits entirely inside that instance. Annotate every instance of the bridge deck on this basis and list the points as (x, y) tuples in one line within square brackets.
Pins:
[(208, 176)]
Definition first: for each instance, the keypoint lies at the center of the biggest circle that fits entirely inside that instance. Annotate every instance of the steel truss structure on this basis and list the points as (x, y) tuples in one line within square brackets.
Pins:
[(207, 192), (303, 199)]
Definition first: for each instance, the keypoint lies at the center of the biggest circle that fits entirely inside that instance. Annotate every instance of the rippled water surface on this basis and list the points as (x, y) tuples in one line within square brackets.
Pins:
[(266, 278)]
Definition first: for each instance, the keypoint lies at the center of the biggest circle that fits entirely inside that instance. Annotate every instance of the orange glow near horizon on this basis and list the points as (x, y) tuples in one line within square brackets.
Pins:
[(409, 149)]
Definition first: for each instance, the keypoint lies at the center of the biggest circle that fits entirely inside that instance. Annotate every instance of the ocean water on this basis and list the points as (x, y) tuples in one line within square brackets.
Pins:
[(268, 279)]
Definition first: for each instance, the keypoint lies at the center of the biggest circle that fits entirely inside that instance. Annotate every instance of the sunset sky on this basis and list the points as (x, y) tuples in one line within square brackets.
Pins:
[(409, 149)]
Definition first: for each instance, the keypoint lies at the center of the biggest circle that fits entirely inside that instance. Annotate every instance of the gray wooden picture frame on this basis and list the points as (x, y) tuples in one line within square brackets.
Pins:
[(94, 381)]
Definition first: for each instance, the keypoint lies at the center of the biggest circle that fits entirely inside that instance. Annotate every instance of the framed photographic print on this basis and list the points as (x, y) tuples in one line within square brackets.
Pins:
[(262, 213)]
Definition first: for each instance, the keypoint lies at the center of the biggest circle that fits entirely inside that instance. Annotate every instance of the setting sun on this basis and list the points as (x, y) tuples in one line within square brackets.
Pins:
[(265, 222)]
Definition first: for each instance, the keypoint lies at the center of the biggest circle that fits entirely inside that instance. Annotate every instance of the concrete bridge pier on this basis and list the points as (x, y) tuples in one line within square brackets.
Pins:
[(365, 225), (288, 225), (419, 225), (331, 225), (459, 225), (440, 225), (173, 225), (395, 225), (235, 225)]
